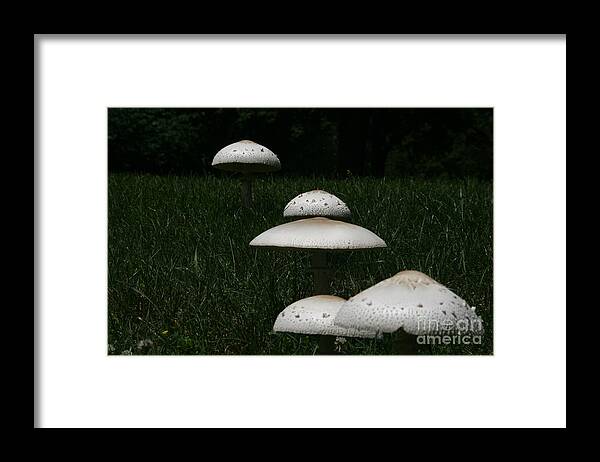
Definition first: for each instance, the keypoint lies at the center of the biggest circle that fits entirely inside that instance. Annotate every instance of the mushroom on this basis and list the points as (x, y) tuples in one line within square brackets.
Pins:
[(317, 203), (314, 316), (411, 303), (318, 235), (247, 158)]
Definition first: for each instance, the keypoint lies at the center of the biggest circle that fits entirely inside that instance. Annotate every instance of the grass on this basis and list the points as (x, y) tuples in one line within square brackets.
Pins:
[(182, 275)]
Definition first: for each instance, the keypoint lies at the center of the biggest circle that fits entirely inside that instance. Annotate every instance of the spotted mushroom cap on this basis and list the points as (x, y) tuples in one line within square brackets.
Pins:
[(412, 301), (314, 315), (247, 157), (318, 233), (317, 203)]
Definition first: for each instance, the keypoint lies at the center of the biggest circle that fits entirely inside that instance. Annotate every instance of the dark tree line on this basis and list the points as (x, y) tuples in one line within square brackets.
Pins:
[(331, 142)]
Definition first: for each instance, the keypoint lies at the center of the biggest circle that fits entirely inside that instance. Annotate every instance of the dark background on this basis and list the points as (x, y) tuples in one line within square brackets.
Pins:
[(334, 143)]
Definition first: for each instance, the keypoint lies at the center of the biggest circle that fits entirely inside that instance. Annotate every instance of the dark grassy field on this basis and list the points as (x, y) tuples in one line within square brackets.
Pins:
[(183, 278)]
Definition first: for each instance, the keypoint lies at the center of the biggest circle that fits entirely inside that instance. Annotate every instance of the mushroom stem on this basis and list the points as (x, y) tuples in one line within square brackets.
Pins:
[(326, 345), (320, 270), (247, 190), (404, 343)]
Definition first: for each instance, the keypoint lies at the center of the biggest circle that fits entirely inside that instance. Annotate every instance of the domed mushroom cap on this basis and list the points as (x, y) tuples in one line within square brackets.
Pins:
[(317, 203), (318, 233), (412, 301), (247, 157), (314, 315)]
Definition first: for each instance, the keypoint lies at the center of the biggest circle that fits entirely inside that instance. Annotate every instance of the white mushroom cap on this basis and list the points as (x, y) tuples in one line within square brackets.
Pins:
[(247, 157), (412, 301), (318, 233), (314, 315), (317, 203)]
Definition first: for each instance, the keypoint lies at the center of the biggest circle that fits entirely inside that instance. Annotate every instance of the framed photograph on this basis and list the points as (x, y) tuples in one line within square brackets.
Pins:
[(224, 222)]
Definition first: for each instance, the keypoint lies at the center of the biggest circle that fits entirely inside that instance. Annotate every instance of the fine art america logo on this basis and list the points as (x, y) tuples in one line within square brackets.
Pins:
[(450, 332)]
